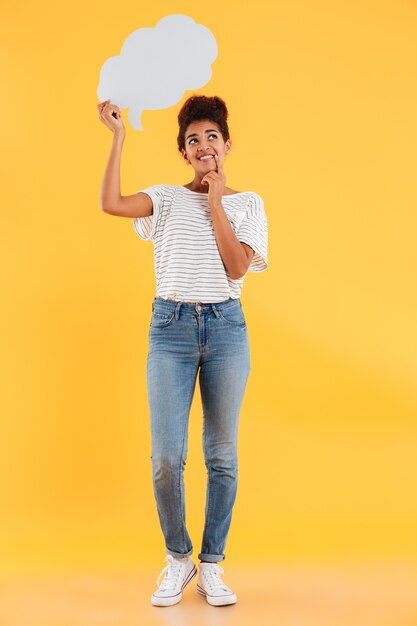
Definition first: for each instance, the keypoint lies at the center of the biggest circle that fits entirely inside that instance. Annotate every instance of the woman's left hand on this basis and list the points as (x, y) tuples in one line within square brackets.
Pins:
[(216, 181)]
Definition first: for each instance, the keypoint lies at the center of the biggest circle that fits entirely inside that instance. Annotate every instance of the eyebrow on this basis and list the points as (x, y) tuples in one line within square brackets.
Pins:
[(206, 131)]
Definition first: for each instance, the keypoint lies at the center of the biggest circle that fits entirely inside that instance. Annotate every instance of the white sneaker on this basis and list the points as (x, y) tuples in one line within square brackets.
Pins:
[(210, 585), (178, 573)]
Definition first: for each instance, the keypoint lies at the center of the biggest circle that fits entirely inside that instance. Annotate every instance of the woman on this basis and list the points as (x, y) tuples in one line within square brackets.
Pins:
[(206, 237)]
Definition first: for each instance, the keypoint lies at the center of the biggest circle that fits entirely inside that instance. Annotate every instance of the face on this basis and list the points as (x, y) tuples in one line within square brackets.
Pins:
[(203, 137)]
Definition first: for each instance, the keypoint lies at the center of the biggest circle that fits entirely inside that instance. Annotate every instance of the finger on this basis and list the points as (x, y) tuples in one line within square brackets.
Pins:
[(104, 111), (107, 106), (101, 105), (112, 109), (108, 109), (218, 163)]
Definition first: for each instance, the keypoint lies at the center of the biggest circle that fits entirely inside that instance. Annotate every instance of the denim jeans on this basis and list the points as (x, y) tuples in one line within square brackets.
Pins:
[(211, 340)]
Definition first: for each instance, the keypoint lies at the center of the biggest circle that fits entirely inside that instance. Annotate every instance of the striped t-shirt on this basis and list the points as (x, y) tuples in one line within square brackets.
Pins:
[(188, 264)]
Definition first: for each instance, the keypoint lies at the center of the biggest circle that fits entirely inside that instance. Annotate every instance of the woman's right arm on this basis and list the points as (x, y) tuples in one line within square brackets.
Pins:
[(111, 200)]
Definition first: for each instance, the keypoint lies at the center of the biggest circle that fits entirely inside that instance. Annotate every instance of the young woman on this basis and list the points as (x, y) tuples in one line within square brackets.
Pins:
[(206, 237)]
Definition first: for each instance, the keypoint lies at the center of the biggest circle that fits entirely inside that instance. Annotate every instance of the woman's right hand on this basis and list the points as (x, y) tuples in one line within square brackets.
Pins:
[(110, 115)]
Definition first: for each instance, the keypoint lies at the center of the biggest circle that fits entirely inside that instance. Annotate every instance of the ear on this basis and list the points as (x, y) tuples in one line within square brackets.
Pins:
[(184, 156), (228, 146)]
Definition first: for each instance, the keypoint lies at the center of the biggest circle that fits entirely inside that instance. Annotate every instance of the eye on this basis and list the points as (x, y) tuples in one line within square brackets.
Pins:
[(211, 135)]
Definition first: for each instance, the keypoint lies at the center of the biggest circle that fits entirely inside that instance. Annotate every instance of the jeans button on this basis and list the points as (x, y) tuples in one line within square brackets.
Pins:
[(198, 307)]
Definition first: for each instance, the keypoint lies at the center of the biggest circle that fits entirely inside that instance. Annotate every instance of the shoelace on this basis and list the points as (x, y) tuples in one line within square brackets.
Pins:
[(172, 570), (212, 574)]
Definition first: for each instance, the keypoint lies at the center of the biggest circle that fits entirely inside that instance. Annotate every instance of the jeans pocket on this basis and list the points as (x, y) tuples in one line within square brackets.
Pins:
[(233, 315), (160, 319)]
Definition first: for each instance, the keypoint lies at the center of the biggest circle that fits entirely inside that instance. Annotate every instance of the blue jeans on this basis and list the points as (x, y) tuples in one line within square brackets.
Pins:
[(211, 339)]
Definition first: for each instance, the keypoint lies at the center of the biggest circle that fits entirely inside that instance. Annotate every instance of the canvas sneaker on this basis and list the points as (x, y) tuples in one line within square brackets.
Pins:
[(178, 573), (210, 585)]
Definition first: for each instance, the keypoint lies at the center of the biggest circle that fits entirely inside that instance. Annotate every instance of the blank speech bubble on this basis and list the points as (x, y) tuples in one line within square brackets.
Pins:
[(157, 65)]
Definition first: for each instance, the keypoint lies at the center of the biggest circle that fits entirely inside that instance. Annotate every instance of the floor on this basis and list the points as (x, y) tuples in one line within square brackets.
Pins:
[(288, 595)]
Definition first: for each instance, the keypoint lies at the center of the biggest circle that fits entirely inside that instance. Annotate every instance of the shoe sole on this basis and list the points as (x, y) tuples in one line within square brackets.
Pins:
[(217, 600), (170, 600)]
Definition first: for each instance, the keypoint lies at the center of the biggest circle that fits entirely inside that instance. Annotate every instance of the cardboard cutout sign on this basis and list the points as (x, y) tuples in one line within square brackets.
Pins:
[(157, 65)]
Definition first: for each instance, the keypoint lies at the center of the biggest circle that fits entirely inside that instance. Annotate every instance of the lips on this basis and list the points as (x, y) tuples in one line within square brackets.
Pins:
[(206, 157)]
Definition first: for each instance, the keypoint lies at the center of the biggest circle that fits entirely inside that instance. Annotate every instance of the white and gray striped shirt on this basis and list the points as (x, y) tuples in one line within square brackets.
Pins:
[(188, 265)]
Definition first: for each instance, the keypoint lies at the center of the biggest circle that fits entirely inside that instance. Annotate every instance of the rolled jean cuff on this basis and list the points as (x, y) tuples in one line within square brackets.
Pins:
[(178, 555), (212, 558)]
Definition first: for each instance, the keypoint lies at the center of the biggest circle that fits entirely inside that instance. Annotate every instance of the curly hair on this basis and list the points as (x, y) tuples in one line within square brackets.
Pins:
[(202, 108)]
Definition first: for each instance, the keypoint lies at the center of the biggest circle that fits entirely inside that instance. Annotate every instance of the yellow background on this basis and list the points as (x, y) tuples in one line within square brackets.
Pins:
[(322, 99)]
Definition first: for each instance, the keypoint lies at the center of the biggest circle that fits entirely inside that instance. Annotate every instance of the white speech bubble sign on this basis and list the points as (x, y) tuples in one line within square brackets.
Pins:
[(157, 65)]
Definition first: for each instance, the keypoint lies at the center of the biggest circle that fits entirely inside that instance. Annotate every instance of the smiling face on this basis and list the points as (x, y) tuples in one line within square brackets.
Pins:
[(203, 137)]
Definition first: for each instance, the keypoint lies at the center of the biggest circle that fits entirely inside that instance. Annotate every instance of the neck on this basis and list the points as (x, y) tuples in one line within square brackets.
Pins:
[(197, 186)]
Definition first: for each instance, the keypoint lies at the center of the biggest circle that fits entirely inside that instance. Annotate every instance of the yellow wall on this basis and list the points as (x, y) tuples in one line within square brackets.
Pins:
[(322, 99)]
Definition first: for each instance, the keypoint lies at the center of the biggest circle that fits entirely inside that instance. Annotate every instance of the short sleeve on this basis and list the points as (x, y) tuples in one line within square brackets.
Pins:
[(145, 227), (253, 231)]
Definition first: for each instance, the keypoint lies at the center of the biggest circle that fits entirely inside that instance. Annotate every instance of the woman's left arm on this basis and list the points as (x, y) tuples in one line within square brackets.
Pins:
[(236, 255)]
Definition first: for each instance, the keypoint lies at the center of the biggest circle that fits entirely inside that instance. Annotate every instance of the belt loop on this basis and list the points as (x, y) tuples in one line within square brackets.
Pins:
[(215, 311), (177, 310)]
